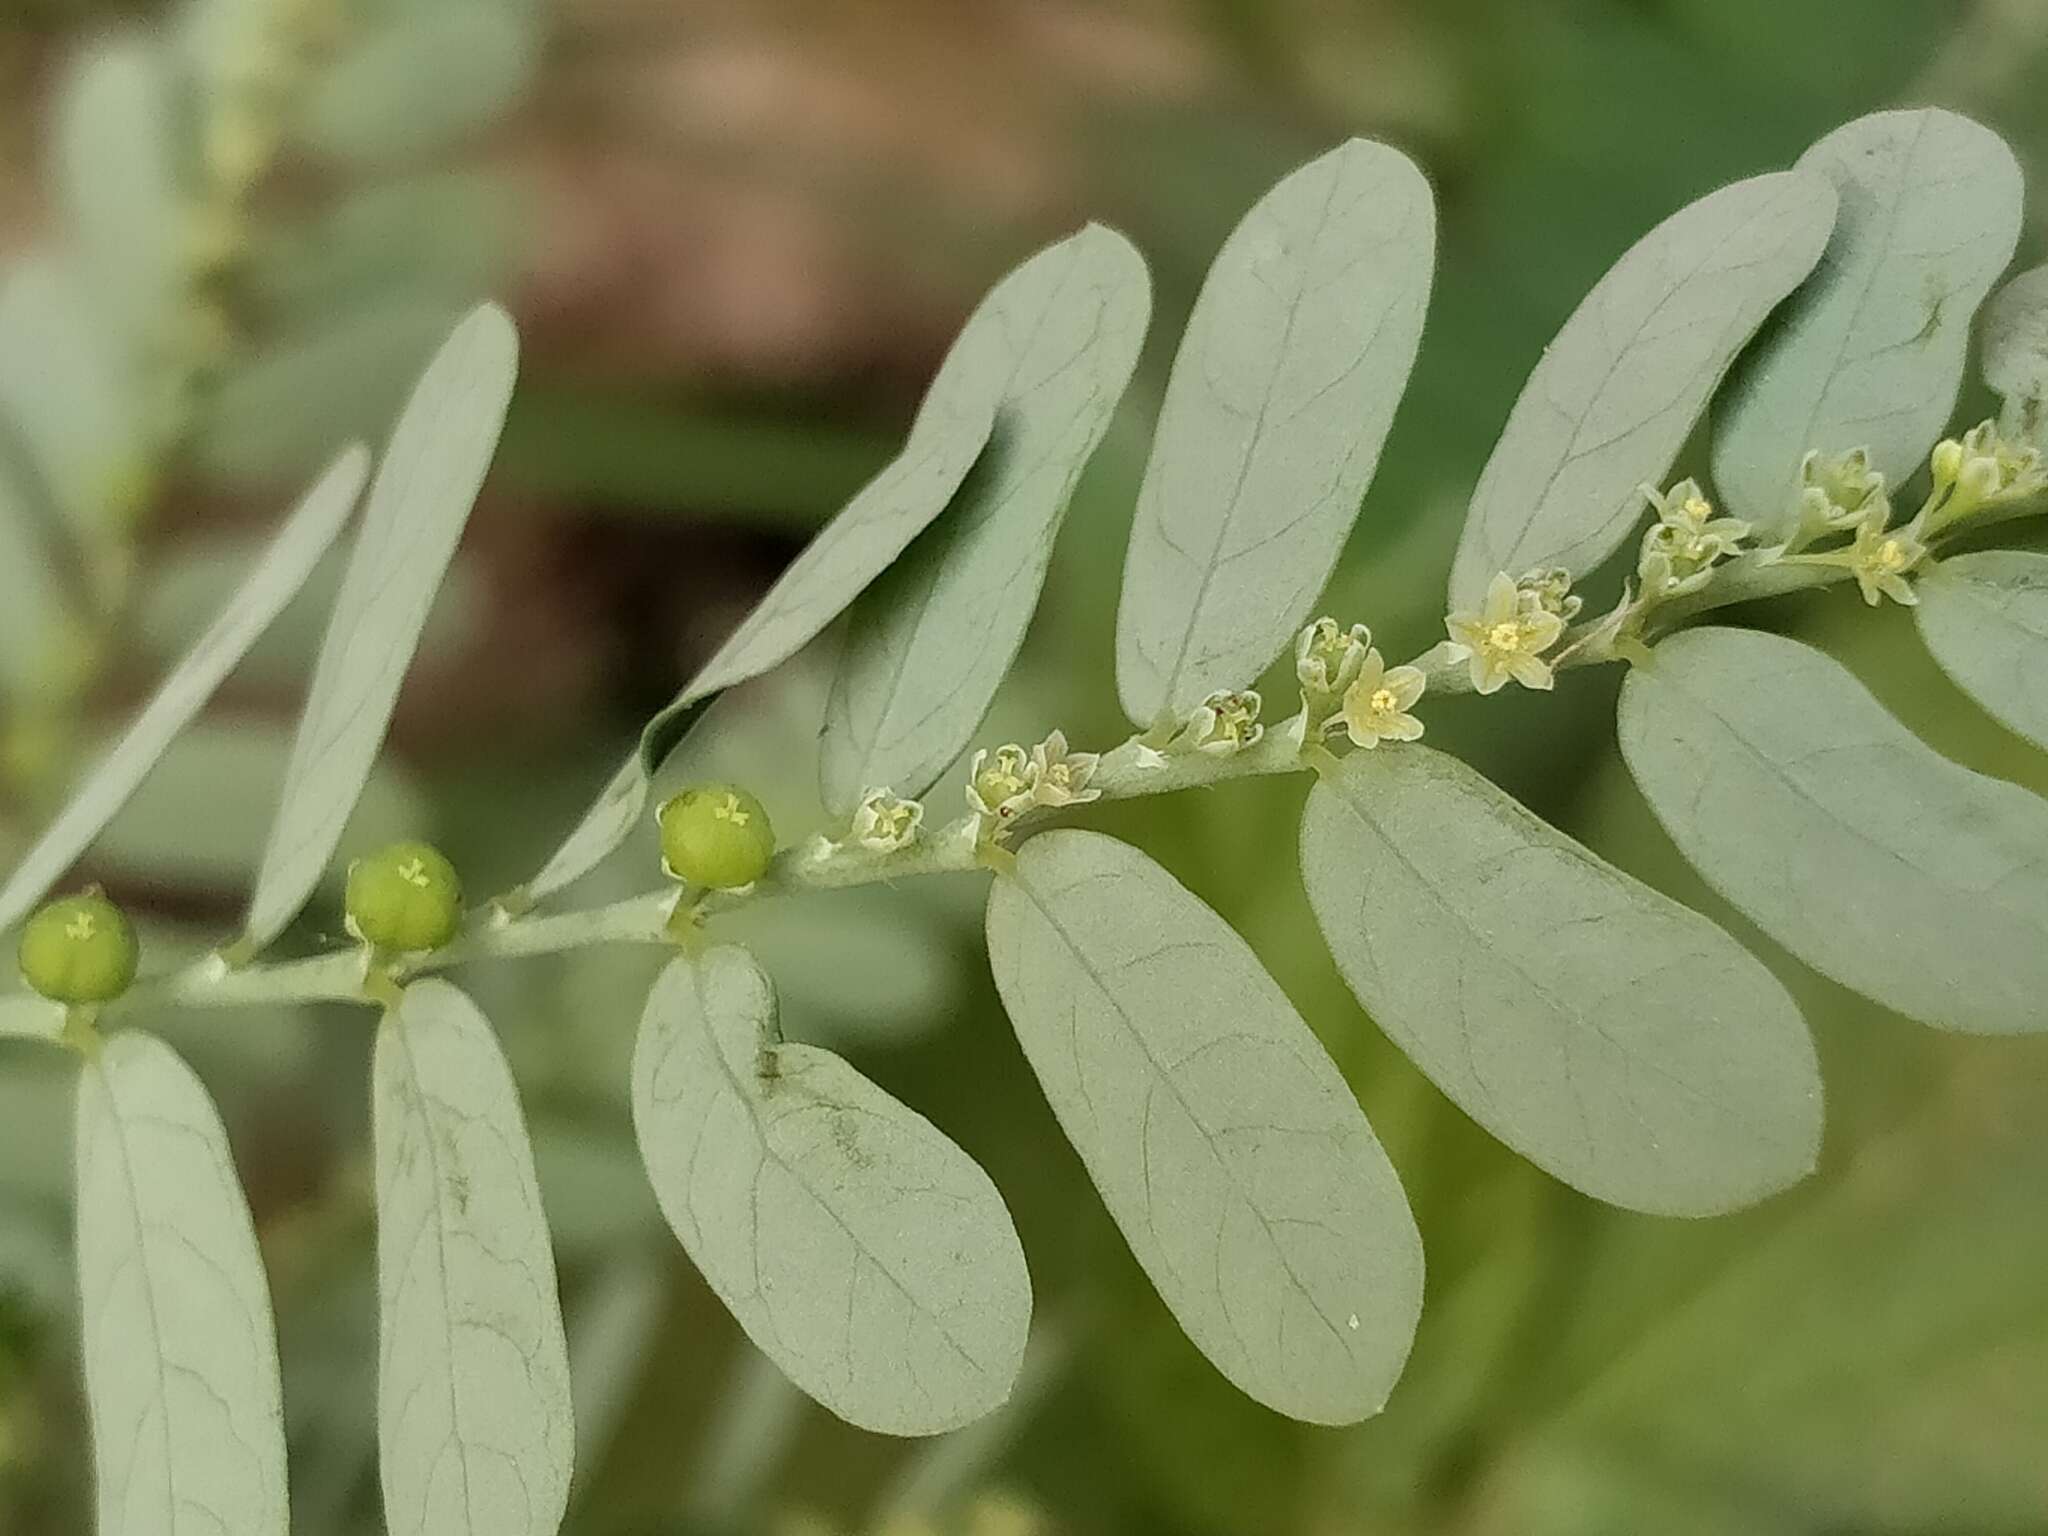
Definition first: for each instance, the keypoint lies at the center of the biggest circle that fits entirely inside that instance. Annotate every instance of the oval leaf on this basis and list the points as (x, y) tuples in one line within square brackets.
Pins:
[(1053, 347), (1223, 1140), (870, 532), (1621, 386), (1842, 835), (118, 143), (1870, 353), (474, 1421), (412, 521), (279, 573), (2015, 359), (421, 79), (180, 1351), (1285, 385), (1985, 619), (68, 392), (862, 1251), (1611, 1036)]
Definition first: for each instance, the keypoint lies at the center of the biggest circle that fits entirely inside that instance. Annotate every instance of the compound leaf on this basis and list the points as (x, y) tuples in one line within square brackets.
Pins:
[(1052, 348), (474, 1418), (1623, 383), (412, 521), (1870, 353), (181, 1368), (1613, 1037), (1283, 391), (1984, 617), (1842, 835), (861, 1250), (277, 577), (1225, 1144)]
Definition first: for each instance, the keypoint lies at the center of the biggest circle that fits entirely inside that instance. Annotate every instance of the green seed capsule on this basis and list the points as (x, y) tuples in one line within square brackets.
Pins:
[(79, 950), (404, 899), (716, 835)]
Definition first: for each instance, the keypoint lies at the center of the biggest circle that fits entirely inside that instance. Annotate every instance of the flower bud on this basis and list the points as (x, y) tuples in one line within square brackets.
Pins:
[(79, 950), (404, 899), (717, 836)]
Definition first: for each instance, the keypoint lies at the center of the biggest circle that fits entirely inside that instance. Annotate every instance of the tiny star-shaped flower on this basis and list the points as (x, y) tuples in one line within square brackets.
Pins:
[(1505, 638)]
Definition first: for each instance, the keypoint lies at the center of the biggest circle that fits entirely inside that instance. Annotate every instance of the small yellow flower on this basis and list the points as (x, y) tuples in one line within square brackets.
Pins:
[(883, 823), (1327, 658), (1376, 705), (1880, 561), (1061, 777), (1224, 723), (1504, 639), (1000, 786)]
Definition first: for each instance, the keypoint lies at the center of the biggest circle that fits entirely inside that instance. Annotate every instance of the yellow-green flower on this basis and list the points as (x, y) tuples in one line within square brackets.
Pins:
[(1982, 470), (79, 950), (1327, 659), (717, 836), (1060, 777), (1224, 723), (1838, 491), (883, 823), (1880, 561), (1376, 704), (1504, 639), (1689, 529), (1550, 589), (999, 785)]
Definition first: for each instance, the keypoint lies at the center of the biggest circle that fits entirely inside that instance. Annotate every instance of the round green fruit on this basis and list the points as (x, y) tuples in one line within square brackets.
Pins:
[(404, 899), (79, 950), (717, 836)]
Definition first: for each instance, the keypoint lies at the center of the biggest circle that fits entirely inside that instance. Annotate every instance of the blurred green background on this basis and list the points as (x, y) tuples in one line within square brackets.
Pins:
[(738, 235)]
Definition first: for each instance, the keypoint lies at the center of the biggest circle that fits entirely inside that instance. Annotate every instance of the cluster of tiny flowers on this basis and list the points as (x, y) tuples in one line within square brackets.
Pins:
[(1838, 493), (1222, 724), (884, 822), (1004, 784), (1681, 548), (1516, 622), (1984, 469), (1347, 685)]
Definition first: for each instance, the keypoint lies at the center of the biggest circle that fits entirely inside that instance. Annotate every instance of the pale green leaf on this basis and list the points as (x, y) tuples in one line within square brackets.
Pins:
[(1051, 349), (474, 1419), (420, 80), (67, 393), (1620, 387), (445, 239), (349, 373), (1282, 393), (865, 539), (117, 168), (1984, 617), (276, 578), (1616, 1039), (2015, 356), (1842, 835), (180, 1353), (1223, 1140), (1870, 353), (35, 617), (412, 520), (860, 1249)]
